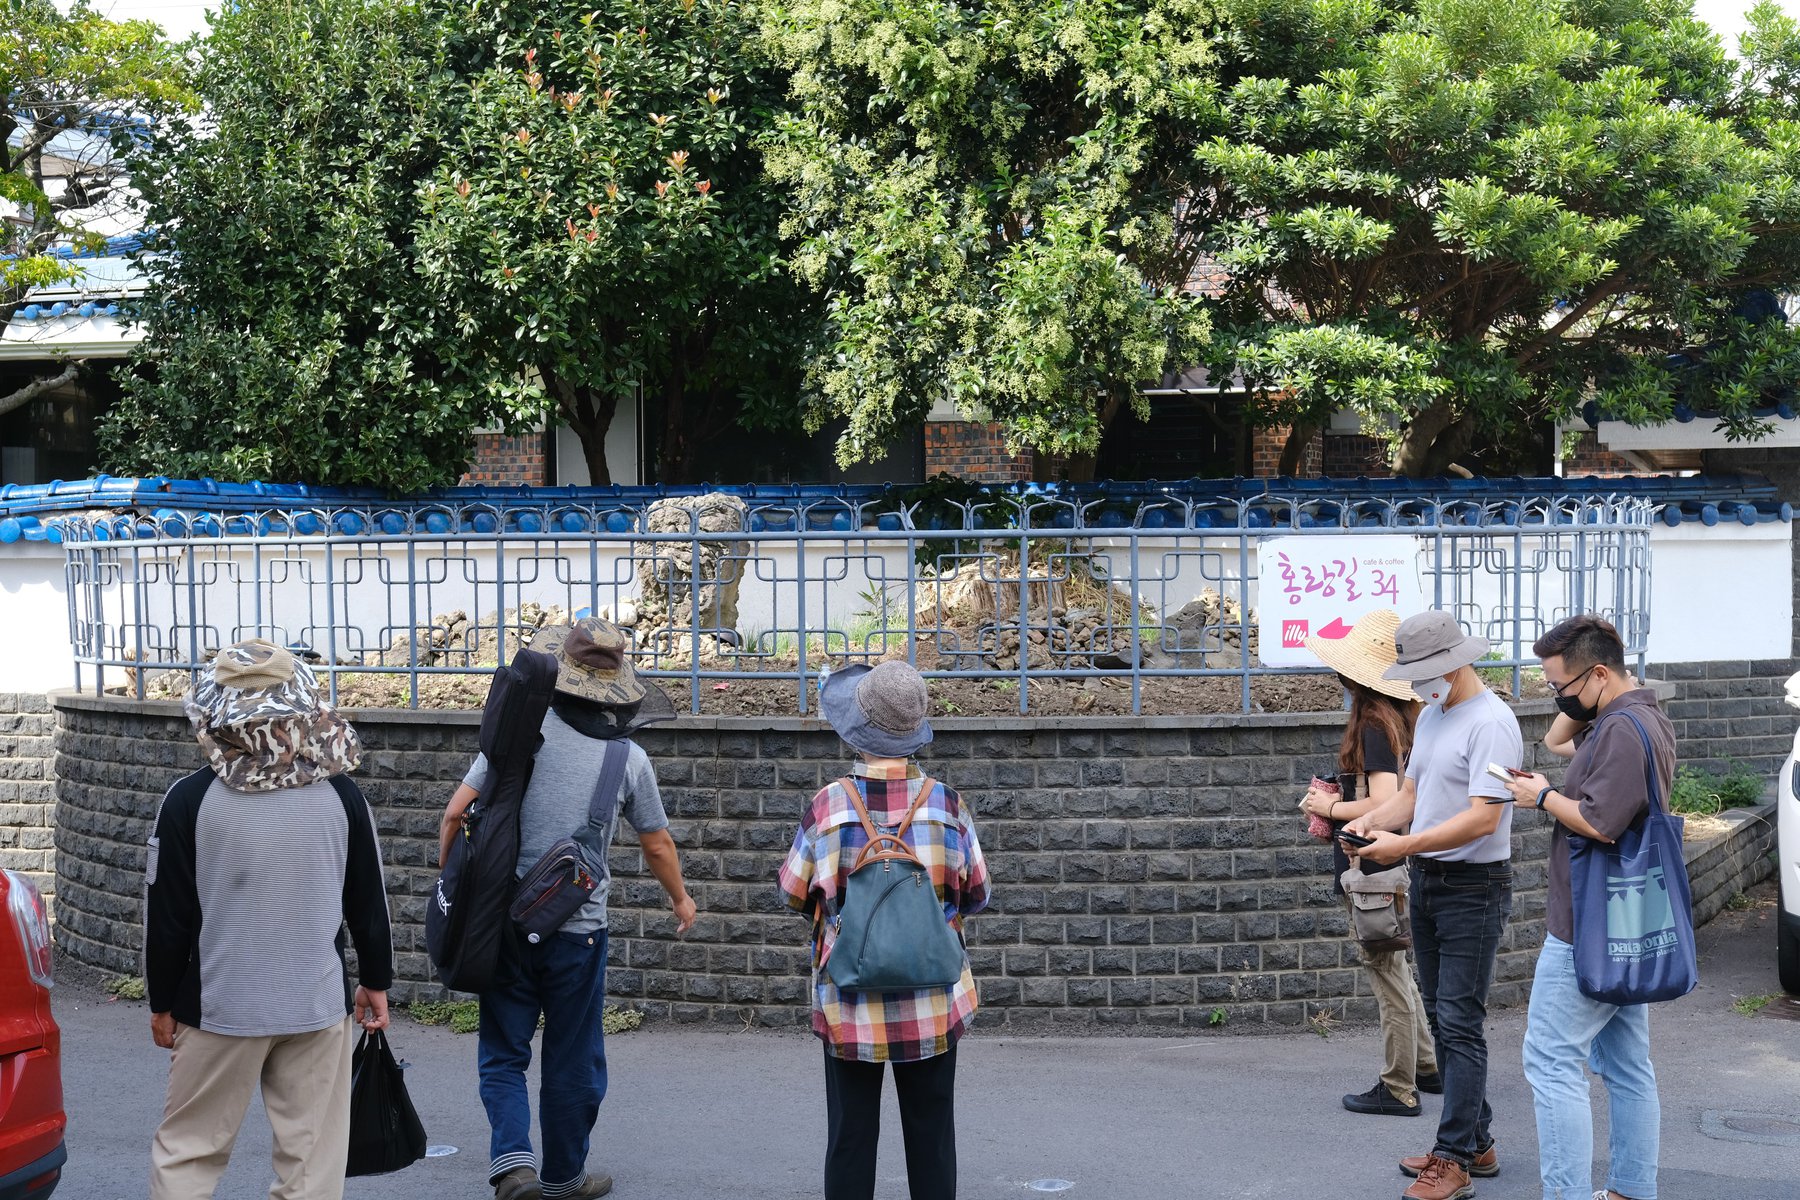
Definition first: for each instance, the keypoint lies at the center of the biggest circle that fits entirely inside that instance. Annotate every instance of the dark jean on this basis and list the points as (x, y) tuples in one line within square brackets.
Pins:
[(563, 978), (1459, 911), (927, 1093)]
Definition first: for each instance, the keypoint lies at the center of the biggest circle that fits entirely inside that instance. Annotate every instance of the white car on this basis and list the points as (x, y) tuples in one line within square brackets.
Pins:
[(1787, 858)]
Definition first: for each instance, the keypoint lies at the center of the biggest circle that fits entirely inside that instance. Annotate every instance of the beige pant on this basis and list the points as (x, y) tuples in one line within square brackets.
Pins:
[(1405, 1034), (305, 1080)]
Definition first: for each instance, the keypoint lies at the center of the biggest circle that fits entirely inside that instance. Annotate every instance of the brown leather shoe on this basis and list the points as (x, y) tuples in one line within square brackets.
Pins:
[(520, 1183), (1439, 1179), (1485, 1166)]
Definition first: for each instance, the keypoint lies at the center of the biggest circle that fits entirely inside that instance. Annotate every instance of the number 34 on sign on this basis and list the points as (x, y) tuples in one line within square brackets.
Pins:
[(1319, 587)]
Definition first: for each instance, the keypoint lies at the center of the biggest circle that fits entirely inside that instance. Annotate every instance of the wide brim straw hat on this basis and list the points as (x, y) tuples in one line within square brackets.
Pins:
[(593, 661), (1365, 653), (258, 714), (878, 710), (1430, 645)]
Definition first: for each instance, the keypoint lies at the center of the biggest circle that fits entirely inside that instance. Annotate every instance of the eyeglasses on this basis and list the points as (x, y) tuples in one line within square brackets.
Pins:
[(1564, 689)]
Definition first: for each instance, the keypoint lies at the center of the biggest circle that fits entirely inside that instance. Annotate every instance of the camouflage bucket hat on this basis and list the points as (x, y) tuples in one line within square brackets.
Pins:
[(593, 661), (258, 715)]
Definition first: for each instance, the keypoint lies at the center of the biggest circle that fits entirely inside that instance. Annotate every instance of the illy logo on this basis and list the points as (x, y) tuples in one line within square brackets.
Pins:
[(1294, 634)]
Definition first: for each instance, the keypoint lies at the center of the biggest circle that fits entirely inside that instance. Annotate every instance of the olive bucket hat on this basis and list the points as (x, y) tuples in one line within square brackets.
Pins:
[(877, 710)]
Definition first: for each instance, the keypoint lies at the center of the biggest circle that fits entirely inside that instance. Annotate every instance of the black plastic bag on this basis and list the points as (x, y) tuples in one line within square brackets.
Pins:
[(385, 1133)]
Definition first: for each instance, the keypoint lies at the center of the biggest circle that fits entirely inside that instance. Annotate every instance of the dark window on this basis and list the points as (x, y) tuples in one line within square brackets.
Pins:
[(1196, 436)]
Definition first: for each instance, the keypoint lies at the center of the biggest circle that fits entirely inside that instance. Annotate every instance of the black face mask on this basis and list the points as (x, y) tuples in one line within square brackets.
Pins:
[(1571, 706)]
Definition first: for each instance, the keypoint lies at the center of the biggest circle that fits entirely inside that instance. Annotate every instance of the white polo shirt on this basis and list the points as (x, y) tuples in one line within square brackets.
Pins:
[(1451, 750)]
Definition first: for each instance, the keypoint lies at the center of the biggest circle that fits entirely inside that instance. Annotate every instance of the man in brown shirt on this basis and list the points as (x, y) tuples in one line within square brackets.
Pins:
[(1603, 793)]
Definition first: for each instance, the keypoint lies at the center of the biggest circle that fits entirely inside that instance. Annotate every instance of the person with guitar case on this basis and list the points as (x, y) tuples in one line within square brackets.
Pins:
[(479, 848), (588, 775)]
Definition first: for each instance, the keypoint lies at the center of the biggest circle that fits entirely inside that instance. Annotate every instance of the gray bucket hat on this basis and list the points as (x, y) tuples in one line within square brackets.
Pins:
[(878, 710), (1432, 644)]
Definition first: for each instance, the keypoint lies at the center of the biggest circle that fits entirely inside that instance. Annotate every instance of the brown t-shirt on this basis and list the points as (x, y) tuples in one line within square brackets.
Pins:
[(1607, 779)]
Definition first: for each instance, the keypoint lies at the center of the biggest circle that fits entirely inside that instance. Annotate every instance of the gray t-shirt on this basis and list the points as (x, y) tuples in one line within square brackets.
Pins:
[(1451, 750), (555, 804)]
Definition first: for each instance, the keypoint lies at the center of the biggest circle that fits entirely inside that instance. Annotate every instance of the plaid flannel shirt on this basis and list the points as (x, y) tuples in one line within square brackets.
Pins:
[(886, 1026)]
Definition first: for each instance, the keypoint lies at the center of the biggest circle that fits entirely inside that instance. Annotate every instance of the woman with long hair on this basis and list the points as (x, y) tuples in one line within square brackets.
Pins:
[(1371, 765)]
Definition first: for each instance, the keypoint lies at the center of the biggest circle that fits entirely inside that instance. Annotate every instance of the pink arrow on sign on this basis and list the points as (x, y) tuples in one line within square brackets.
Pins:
[(1335, 630)]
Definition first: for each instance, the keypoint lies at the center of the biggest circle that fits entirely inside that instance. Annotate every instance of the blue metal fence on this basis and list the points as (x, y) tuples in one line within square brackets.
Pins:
[(414, 602)]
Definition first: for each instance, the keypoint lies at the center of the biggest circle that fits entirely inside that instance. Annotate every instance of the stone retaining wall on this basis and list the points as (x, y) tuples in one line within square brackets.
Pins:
[(1721, 867), (27, 789), (1147, 871)]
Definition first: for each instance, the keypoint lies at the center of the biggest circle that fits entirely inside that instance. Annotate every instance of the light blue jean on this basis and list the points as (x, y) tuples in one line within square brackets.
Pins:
[(1566, 1032)]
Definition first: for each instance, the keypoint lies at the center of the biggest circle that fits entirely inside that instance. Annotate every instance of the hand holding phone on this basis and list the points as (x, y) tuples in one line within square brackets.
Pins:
[(1506, 774), (1354, 840)]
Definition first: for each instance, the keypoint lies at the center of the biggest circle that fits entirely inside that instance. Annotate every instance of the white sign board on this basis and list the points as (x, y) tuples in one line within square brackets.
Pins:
[(1319, 586)]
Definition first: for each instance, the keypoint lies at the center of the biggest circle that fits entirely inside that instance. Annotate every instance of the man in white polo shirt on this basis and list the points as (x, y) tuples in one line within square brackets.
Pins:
[(1460, 843)]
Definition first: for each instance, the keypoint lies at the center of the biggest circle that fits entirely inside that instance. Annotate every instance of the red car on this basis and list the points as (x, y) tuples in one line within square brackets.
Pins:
[(31, 1103)]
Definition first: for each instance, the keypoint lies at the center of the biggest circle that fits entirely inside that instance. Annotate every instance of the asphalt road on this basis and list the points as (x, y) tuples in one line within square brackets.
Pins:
[(699, 1113)]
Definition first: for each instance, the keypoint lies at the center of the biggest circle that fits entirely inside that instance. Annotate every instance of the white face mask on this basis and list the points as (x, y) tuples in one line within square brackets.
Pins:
[(1434, 691)]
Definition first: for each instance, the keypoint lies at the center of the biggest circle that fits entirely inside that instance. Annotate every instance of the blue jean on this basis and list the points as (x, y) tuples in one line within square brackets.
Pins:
[(1565, 1033), (1459, 911), (563, 978)]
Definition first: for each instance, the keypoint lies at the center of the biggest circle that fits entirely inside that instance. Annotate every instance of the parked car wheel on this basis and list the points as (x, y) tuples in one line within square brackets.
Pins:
[(1787, 953)]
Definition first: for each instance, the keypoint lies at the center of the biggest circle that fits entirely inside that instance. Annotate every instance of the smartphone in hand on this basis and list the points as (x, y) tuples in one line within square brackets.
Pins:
[(1354, 840), (1506, 774)]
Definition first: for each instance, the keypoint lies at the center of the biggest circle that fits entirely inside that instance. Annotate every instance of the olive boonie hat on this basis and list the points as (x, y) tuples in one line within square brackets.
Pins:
[(1432, 644), (592, 661), (878, 710)]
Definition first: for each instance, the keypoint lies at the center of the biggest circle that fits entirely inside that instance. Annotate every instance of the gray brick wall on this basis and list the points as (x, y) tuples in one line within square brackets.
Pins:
[(1146, 872), (27, 789)]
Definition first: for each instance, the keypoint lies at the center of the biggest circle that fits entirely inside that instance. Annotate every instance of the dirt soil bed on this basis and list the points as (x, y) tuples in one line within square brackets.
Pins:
[(1162, 695)]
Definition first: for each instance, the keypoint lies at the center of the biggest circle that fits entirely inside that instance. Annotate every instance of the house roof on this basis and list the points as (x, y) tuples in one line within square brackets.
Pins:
[(87, 317)]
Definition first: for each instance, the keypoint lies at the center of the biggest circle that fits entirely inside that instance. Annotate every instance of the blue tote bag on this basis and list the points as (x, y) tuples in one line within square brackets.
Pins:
[(1634, 918)]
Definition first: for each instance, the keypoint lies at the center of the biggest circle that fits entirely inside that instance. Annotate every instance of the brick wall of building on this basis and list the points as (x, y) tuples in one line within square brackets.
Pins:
[(973, 450), (1591, 458), (1266, 446), (503, 459), (1349, 455)]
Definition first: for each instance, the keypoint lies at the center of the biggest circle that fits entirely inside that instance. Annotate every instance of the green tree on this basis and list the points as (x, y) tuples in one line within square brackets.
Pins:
[(603, 225), (289, 332), (74, 89), (994, 200), (1460, 218)]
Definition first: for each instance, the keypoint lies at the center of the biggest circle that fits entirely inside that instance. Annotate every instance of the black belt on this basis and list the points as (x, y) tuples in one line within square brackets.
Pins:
[(1438, 866)]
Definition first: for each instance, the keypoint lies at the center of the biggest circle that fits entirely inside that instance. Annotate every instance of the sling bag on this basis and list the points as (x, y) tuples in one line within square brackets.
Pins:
[(564, 878), (892, 935)]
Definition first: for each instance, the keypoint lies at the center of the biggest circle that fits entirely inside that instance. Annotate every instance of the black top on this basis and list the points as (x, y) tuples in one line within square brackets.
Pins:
[(1378, 755)]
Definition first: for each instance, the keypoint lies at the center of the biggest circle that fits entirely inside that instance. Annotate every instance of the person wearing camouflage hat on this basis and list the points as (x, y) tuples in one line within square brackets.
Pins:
[(256, 862)]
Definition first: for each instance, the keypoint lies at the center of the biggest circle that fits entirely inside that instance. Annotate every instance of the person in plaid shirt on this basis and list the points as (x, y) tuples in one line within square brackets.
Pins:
[(880, 713)]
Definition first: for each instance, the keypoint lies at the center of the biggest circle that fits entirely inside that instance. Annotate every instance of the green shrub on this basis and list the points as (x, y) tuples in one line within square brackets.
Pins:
[(1707, 792), (126, 987)]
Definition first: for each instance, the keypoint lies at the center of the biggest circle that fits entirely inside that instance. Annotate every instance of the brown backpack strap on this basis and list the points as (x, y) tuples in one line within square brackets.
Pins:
[(886, 845)]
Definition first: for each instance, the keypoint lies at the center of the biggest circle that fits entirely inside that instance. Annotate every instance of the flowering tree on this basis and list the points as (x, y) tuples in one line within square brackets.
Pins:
[(602, 226)]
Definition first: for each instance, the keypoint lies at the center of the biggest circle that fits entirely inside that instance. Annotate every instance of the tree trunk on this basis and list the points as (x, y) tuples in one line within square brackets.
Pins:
[(1293, 453), (675, 449), (38, 387), (1081, 468), (1437, 437), (1413, 454)]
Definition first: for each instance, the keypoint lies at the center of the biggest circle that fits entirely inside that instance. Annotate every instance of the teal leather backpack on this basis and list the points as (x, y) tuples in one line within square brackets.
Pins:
[(891, 931)]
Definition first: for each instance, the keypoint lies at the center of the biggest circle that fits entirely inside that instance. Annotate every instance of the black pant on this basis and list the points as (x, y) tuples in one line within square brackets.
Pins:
[(1459, 911), (927, 1091)]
